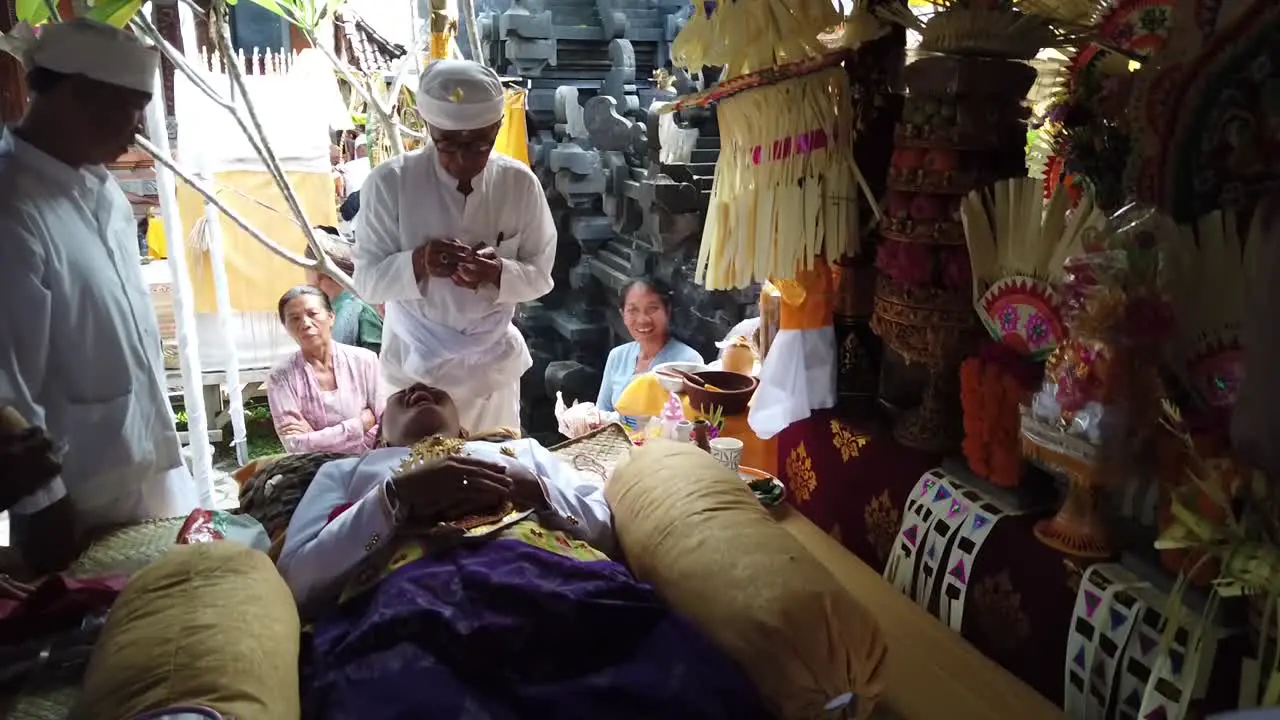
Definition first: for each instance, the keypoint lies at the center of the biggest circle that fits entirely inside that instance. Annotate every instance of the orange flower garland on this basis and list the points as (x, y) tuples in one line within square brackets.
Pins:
[(990, 396)]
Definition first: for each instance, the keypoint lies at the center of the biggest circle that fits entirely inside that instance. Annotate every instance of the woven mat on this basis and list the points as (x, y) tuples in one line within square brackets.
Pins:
[(125, 550), (597, 452), (128, 550)]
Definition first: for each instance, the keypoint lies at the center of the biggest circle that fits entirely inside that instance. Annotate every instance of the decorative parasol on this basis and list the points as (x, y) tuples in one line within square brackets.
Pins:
[(1086, 125), (785, 189), (1206, 119)]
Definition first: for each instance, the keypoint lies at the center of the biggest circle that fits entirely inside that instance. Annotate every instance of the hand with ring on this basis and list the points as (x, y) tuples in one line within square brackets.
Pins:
[(439, 258), (482, 267), (451, 487)]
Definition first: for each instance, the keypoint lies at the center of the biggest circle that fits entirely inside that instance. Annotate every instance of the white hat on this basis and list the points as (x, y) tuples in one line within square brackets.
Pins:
[(459, 95), (86, 47)]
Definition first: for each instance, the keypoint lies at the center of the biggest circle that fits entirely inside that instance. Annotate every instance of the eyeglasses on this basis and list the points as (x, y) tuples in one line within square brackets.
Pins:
[(465, 147)]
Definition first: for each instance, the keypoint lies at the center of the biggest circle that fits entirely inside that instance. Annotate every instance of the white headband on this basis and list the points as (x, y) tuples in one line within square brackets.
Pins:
[(460, 95), (85, 47)]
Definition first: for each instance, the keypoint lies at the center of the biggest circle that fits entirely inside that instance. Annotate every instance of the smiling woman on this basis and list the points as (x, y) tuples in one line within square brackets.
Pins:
[(646, 312)]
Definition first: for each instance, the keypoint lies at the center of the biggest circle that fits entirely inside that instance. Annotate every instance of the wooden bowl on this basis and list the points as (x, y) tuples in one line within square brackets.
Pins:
[(733, 393)]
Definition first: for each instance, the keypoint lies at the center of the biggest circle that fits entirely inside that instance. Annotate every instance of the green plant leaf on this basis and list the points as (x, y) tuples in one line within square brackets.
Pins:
[(116, 13), (271, 5), (32, 12)]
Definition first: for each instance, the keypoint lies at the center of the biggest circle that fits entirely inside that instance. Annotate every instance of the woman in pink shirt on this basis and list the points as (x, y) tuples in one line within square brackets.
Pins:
[(325, 397)]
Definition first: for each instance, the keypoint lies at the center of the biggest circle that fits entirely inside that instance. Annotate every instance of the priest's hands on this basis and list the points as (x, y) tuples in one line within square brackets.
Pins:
[(467, 268), (478, 268), (438, 258)]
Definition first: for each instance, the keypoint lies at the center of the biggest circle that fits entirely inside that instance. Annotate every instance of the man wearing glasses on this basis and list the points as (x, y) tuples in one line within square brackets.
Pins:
[(451, 238)]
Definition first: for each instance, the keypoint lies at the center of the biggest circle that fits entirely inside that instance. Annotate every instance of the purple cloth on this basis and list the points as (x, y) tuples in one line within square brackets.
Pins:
[(504, 630)]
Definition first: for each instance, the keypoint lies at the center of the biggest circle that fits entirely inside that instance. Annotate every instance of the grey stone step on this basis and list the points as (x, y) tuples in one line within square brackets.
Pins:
[(641, 14), (607, 274), (588, 33), (701, 156), (708, 142), (613, 256), (644, 34), (572, 327), (575, 16)]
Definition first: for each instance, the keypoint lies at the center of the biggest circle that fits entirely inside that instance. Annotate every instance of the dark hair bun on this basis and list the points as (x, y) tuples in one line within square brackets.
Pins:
[(656, 286)]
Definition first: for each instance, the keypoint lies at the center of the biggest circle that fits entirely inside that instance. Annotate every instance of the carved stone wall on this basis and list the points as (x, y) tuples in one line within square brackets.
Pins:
[(620, 210)]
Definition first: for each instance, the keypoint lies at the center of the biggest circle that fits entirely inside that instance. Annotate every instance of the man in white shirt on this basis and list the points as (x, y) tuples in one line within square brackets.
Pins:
[(451, 238), (79, 346)]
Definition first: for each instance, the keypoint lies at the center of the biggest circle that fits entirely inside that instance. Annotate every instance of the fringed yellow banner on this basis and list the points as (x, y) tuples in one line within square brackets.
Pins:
[(513, 138), (786, 185)]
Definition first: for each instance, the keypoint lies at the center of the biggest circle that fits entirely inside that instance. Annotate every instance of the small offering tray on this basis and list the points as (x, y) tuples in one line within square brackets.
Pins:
[(768, 489)]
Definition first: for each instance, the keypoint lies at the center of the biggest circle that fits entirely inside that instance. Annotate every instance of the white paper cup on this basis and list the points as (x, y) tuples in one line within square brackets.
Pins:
[(683, 431), (728, 451)]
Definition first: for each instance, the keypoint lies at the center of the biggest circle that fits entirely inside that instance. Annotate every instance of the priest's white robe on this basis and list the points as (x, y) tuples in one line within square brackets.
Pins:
[(79, 346), (454, 338)]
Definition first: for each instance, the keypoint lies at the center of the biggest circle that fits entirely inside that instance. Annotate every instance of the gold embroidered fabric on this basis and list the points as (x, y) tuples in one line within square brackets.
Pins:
[(848, 444), (883, 518), (800, 478), (997, 608)]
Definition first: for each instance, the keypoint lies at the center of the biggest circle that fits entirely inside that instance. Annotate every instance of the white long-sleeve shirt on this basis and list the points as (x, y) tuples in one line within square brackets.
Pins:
[(318, 552), (462, 340), (79, 345)]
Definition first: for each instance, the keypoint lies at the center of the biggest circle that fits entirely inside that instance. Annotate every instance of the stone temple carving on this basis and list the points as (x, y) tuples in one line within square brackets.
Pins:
[(629, 190)]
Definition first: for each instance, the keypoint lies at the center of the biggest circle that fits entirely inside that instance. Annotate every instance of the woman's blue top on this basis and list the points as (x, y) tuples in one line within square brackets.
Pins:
[(620, 370)]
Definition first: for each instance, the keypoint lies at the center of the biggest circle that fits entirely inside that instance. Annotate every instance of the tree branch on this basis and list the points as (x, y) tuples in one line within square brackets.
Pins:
[(323, 263), (383, 110)]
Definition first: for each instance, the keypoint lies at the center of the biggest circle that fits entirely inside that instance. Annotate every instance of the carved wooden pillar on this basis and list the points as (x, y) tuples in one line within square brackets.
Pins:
[(874, 77), (13, 86), (166, 19)]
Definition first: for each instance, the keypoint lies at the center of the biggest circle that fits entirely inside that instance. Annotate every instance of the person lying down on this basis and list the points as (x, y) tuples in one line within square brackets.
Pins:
[(449, 578)]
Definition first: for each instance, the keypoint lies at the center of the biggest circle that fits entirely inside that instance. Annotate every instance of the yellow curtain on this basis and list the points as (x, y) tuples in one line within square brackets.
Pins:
[(439, 48), (255, 276), (513, 138)]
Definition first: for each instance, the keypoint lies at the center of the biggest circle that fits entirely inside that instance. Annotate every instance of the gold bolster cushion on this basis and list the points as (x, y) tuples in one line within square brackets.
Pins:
[(210, 624), (694, 531)]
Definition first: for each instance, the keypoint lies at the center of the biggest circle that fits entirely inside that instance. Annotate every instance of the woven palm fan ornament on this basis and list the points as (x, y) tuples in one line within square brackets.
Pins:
[(785, 183), (1210, 272), (1017, 246), (1205, 120)]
